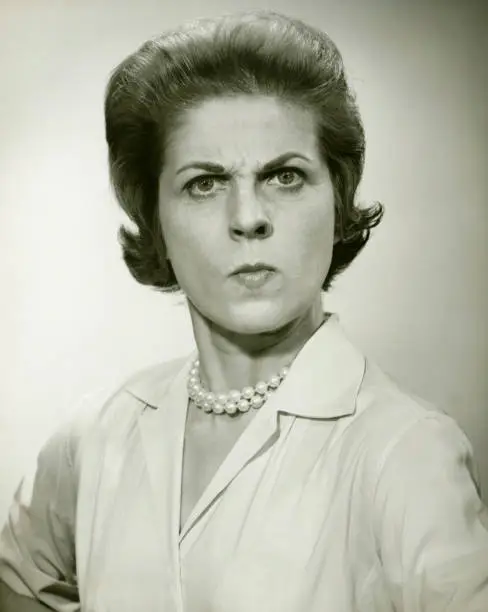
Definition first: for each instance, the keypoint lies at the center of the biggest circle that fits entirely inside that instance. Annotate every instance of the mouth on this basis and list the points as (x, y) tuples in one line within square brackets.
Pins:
[(253, 268), (254, 276)]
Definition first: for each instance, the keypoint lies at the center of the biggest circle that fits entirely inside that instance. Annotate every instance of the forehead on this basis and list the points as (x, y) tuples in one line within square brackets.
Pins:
[(231, 128)]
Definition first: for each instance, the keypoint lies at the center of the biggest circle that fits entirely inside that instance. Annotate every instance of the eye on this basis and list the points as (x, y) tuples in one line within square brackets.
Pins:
[(288, 178), (202, 186)]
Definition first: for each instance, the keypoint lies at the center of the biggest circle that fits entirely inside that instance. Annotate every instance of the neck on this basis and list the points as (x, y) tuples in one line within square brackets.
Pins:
[(233, 360)]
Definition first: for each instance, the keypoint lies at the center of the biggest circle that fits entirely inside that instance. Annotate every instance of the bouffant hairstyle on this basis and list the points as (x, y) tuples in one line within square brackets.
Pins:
[(260, 53)]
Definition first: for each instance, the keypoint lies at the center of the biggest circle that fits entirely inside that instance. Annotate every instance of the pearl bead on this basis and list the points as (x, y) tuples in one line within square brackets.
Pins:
[(222, 398), (201, 396), (193, 380), (247, 392), (210, 396), (261, 387), (231, 407), (218, 408), (244, 405), (257, 401), (207, 407), (275, 382), (284, 371), (234, 395)]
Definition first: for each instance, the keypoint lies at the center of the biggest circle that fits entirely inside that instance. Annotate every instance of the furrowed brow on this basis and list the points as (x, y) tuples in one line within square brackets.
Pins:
[(268, 167)]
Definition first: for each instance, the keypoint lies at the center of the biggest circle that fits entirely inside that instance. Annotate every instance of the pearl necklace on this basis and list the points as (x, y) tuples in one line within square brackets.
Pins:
[(233, 401)]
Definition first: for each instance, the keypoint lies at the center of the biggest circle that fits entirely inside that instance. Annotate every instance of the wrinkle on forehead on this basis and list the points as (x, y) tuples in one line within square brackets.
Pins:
[(242, 132)]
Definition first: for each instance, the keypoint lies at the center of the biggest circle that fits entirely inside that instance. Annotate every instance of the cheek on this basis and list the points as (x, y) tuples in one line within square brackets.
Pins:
[(191, 252), (310, 256), (174, 233), (313, 233)]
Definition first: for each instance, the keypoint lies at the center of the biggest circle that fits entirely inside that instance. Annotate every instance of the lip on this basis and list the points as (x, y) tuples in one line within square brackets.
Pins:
[(256, 279), (256, 267)]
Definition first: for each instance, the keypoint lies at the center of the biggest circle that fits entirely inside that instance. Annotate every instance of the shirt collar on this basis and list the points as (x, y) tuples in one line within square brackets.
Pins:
[(323, 381), (325, 377)]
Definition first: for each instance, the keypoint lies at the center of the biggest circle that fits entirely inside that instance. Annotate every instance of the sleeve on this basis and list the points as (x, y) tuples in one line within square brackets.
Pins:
[(431, 525), (37, 550)]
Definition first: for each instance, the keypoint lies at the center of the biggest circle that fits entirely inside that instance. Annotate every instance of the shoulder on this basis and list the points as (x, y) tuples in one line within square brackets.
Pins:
[(395, 427), (110, 412), (417, 458), (387, 412), (417, 463)]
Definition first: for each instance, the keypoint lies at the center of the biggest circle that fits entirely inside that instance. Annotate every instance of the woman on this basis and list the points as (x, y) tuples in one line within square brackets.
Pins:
[(275, 468)]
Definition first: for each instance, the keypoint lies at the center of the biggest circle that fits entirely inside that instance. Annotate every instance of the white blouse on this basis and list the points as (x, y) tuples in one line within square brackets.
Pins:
[(343, 494)]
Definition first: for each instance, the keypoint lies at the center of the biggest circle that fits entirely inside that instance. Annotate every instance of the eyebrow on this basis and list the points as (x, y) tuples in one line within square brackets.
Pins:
[(275, 163)]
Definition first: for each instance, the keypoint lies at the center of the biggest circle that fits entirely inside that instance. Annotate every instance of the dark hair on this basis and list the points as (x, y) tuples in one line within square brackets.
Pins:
[(247, 53)]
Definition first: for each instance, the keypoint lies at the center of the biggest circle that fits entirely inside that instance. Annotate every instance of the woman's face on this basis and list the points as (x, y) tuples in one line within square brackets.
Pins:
[(243, 182)]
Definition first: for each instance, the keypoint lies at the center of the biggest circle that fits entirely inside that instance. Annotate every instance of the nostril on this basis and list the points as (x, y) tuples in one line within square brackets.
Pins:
[(257, 230)]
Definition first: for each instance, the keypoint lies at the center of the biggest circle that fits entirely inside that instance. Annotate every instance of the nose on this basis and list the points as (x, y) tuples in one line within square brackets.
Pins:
[(247, 216)]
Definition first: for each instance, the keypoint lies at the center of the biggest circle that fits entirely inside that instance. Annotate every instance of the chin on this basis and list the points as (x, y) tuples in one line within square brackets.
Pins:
[(258, 317)]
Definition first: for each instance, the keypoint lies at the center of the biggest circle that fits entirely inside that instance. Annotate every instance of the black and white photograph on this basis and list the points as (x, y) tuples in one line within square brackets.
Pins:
[(244, 309)]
